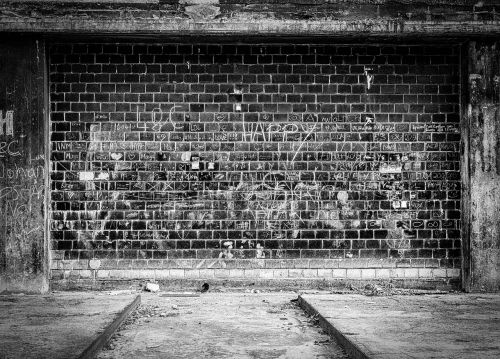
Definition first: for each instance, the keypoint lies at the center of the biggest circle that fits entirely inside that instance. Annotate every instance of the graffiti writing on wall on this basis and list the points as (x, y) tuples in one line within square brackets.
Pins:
[(21, 198), (21, 210), (261, 181)]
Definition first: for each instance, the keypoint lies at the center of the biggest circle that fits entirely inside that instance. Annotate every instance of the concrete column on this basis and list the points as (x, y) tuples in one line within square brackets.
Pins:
[(481, 169), (23, 174)]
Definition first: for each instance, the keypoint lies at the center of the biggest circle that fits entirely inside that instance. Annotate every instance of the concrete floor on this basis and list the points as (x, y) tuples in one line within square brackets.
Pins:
[(221, 325), (56, 325), (461, 326), (252, 324)]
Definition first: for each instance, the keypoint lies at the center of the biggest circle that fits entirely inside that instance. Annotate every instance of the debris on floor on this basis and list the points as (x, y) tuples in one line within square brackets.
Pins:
[(152, 287), (265, 325)]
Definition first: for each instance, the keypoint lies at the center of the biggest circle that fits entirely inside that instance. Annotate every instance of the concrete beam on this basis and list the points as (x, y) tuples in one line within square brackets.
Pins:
[(75, 2), (252, 17), (173, 26)]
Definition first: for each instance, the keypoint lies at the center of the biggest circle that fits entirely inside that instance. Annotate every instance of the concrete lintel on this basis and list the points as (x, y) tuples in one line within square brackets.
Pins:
[(177, 26), (75, 2)]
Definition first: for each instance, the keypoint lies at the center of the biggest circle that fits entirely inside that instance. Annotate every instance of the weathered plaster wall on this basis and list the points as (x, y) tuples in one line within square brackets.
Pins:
[(23, 253), (484, 166)]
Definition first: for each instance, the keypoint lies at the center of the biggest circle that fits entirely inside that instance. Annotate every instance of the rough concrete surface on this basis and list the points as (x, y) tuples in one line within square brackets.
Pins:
[(331, 17), (220, 325), (428, 326), (56, 325), (483, 120)]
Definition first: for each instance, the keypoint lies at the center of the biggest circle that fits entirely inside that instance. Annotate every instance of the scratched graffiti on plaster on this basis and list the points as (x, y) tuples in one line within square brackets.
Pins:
[(21, 201), (21, 207)]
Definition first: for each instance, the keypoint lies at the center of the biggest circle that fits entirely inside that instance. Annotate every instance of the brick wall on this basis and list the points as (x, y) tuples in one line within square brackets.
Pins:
[(273, 152)]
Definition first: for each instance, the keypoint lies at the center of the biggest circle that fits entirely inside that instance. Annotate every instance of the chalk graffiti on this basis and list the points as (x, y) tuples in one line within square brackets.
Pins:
[(248, 182), (9, 148), (19, 172), (21, 209)]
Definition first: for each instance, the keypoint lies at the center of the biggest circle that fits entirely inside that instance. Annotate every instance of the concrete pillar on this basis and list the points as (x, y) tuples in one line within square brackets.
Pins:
[(23, 175), (481, 169)]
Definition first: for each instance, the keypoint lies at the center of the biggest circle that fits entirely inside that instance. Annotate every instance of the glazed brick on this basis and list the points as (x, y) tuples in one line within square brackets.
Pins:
[(255, 151)]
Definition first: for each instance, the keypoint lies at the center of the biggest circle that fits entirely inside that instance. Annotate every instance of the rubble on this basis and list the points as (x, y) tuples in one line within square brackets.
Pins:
[(152, 287)]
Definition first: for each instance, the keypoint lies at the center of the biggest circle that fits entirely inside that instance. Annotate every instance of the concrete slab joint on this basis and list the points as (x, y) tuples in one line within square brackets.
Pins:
[(380, 326)]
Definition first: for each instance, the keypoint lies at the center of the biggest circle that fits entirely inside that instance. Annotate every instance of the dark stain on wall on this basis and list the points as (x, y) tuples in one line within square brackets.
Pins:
[(22, 167), (255, 151)]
